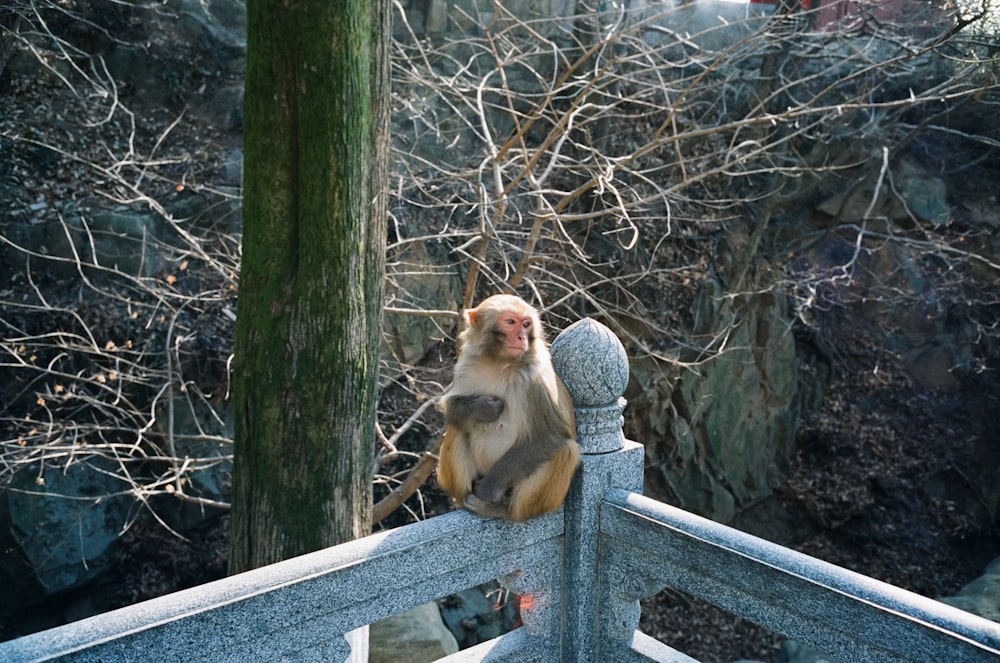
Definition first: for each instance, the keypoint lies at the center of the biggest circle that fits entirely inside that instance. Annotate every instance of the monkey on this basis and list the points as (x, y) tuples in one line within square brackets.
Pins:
[(509, 448)]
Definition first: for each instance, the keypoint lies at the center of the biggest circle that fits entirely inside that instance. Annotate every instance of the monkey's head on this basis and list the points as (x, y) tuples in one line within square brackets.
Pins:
[(502, 327)]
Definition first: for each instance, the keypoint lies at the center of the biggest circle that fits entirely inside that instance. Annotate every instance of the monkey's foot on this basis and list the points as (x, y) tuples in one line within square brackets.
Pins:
[(483, 508)]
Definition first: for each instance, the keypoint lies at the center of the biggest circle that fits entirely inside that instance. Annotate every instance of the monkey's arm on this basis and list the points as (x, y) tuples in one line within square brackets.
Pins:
[(549, 430), (460, 411)]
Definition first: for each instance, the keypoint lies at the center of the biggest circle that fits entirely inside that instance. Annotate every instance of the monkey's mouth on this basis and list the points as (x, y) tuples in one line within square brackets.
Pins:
[(515, 352)]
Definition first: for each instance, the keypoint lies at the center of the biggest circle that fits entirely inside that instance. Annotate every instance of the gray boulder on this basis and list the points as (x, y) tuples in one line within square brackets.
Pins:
[(982, 595), (66, 521), (419, 632)]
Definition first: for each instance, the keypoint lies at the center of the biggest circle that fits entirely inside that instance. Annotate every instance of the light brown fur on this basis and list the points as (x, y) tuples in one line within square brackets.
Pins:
[(545, 490)]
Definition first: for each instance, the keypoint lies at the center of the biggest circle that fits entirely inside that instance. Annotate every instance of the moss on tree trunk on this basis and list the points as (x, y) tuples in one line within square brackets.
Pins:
[(311, 290)]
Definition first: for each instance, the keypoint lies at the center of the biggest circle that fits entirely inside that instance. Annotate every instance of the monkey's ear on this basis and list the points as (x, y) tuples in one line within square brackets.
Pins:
[(470, 315)]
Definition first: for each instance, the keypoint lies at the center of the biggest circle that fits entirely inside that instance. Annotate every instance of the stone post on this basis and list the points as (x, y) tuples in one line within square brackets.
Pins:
[(592, 363)]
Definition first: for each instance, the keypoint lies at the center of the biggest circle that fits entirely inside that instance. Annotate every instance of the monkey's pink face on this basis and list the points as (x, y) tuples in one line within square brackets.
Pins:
[(516, 330)]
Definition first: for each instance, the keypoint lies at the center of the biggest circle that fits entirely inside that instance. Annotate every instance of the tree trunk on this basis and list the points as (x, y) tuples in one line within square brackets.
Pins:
[(311, 280)]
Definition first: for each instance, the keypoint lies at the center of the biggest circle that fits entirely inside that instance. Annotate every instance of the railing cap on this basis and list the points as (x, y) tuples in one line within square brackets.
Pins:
[(592, 363)]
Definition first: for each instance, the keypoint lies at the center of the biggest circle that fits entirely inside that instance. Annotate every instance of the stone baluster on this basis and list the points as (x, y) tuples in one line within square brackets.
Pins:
[(592, 363)]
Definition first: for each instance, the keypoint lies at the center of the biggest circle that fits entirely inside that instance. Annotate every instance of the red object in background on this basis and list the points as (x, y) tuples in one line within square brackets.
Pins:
[(806, 4), (855, 15)]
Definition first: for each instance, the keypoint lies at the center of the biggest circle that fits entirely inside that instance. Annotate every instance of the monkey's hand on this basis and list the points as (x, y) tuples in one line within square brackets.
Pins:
[(486, 489), (480, 408), (487, 499)]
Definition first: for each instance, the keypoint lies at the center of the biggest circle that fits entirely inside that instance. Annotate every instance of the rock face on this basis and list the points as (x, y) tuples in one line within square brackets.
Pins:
[(426, 284), (717, 431), (61, 521)]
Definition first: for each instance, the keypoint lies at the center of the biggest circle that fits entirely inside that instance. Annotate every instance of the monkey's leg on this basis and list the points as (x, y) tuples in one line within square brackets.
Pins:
[(545, 489), (456, 467), (523, 459)]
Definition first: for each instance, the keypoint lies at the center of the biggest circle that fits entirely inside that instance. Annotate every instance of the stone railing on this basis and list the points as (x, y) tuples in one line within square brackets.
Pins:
[(582, 570)]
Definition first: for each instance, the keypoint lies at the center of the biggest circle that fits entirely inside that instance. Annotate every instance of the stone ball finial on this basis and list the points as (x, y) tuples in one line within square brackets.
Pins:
[(592, 363)]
